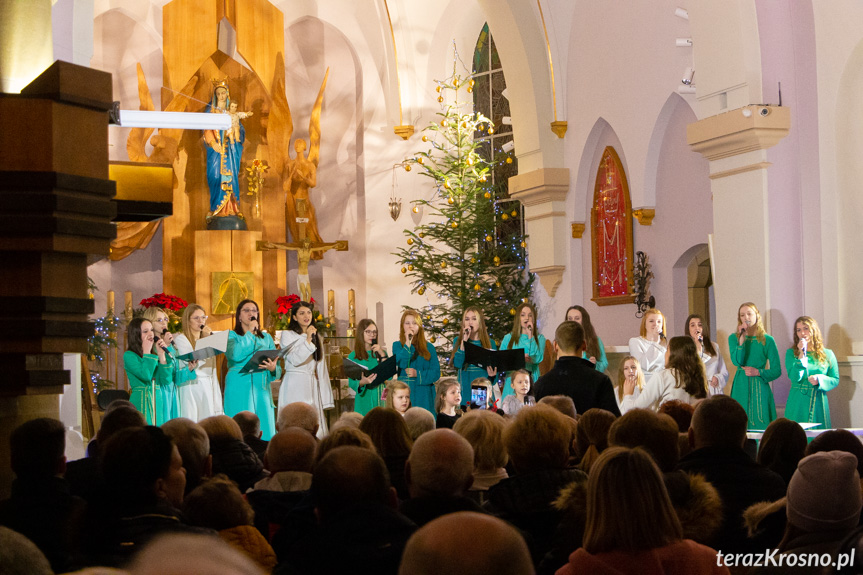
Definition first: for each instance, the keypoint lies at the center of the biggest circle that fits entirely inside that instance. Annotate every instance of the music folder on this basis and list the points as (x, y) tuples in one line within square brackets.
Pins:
[(384, 370), (207, 347), (252, 366), (502, 359)]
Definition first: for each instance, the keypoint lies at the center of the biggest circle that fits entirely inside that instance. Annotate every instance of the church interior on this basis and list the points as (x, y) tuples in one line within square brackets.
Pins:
[(734, 127)]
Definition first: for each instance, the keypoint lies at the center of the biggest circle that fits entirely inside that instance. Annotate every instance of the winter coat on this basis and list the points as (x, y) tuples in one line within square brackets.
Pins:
[(236, 460), (250, 541)]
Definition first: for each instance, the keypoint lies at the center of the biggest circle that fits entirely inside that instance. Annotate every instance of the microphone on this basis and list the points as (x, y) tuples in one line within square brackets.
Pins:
[(157, 339), (377, 353), (409, 338), (253, 318), (805, 345)]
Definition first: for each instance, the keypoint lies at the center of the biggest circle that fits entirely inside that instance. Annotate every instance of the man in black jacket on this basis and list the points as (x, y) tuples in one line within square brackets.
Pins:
[(576, 377)]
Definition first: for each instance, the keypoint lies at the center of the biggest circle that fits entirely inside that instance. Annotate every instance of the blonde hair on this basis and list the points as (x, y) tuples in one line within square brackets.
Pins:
[(817, 344), (187, 330), (442, 386), (759, 322), (538, 438), (392, 387), (591, 436), (652, 311), (419, 342), (628, 508), (483, 429), (151, 314), (482, 331), (621, 376), (221, 427)]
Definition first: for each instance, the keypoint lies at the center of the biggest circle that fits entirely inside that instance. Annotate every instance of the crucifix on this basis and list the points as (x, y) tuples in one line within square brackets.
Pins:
[(304, 247)]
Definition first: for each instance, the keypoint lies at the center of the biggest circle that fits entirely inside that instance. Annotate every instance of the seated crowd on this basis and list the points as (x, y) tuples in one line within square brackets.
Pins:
[(547, 490)]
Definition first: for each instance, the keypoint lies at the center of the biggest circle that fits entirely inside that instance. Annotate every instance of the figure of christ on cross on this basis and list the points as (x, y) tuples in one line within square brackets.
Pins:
[(305, 249)]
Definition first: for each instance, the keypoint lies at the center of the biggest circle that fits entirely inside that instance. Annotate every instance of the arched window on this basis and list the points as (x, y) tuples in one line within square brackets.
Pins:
[(611, 224)]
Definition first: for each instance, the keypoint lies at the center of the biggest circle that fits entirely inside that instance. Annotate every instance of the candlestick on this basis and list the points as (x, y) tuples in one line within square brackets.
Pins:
[(352, 312)]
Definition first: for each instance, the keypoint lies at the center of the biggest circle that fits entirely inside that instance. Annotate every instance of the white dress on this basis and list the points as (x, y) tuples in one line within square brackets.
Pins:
[(715, 366), (305, 379), (202, 397), (657, 390), (651, 355)]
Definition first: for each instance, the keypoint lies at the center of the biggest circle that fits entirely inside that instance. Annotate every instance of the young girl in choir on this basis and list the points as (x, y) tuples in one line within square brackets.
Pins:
[(398, 396), (595, 350), (683, 378), (650, 346), (201, 396), (167, 398), (250, 391), (813, 372), (475, 332), (755, 355), (629, 372), (368, 353), (520, 383), (524, 336), (417, 361), (146, 367), (447, 402), (306, 376), (714, 365)]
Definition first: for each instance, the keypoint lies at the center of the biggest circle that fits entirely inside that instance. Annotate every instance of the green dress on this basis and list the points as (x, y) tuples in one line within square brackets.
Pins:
[(367, 397), (144, 373), (754, 393), (601, 360), (808, 403)]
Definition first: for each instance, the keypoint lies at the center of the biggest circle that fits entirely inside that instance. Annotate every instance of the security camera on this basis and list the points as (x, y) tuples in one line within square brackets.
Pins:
[(764, 111)]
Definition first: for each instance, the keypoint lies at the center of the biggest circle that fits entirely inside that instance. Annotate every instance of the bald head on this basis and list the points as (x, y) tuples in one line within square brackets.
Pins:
[(439, 547), (291, 450), (250, 424), (298, 414), (440, 463)]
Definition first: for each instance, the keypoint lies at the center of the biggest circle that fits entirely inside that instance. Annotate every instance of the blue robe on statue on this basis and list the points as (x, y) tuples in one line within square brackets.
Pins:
[(223, 169)]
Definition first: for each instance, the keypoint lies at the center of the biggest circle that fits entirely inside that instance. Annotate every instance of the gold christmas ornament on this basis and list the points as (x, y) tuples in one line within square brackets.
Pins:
[(509, 160), (421, 291), (523, 244), (440, 99), (471, 83), (446, 184), (455, 82), (450, 200), (420, 160), (470, 161), (488, 238), (459, 294), (404, 270), (328, 326), (482, 179), (476, 287), (486, 195), (514, 213), (512, 311), (524, 300), (443, 123), (425, 138), (505, 217), (469, 89), (496, 259), (428, 318), (443, 265), (464, 124), (433, 339), (410, 241), (407, 167), (454, 225), (445, 321), (497, 284), (490, 130), (416, 209), (473, 260), (437, 89), (410, 268), (422, 234)]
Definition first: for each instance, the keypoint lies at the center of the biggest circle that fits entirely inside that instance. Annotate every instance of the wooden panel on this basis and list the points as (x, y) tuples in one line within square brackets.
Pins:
[(260, 36), (190, 36), (225, 250)]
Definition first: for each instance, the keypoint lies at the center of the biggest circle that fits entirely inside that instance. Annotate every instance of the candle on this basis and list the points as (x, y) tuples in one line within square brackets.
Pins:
[(331, 307), (127, 309)]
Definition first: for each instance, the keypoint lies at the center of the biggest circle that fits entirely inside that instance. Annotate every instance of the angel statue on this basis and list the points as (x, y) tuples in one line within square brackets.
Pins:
[(299, 174), (224, 152)]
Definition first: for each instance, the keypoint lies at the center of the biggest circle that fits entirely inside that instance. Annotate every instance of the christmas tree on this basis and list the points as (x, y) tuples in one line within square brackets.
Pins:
[(467, 254)]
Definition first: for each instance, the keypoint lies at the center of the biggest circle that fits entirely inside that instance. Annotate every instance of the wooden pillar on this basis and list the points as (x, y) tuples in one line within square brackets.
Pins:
[(55, 210)]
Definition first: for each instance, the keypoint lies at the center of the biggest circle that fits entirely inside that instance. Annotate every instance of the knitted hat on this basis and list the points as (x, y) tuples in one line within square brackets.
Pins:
[(824, 493)]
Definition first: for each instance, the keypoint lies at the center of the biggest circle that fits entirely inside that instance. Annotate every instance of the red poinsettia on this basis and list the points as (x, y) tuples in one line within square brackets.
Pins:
[(286, 302), (164, 301)]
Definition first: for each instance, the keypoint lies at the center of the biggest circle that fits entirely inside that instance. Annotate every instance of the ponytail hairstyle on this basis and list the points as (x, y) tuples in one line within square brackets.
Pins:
[(482, 331), (515, 334), (816, 343), (687, 367), (294, 325), (591, 340), (591, 436), (706, 344), (419, 340)]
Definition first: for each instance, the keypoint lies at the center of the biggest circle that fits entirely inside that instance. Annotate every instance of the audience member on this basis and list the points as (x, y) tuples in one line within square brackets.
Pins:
[(231, 455), (575, 376), (145, 480), (439, 472), (680, 411), (20, 556), (537, 441), (631, 525), (838, 440), (391, 437), (348, 419), (439, 547), (194, 447), (823, 508), (716, 436), (192, 555), (562, 403), (290, 459), (419, 421), (217, 504), (356, 508), (782, 447), (342, 437), (299, 414), (250, 426), (41, 506), (591, 436), (483, 429)]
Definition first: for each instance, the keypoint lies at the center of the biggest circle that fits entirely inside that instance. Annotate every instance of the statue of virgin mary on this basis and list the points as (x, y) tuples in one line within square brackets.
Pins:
[(223, 165)]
